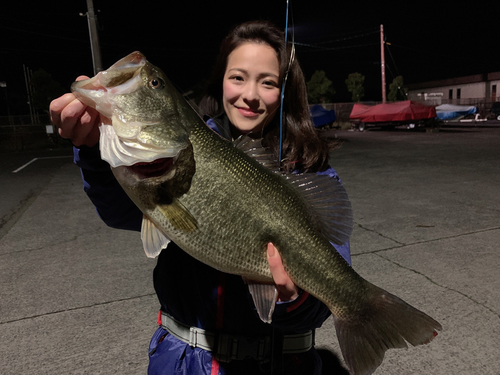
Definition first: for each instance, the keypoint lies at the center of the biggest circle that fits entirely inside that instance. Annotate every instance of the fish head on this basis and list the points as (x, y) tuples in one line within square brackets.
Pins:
[(144, 114)]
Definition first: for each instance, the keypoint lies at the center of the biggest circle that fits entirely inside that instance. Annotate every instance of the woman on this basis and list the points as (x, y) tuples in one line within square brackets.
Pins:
[(212, 324)]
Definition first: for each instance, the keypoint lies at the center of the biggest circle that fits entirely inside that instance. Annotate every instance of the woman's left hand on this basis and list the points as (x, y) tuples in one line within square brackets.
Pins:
[(287, 290)]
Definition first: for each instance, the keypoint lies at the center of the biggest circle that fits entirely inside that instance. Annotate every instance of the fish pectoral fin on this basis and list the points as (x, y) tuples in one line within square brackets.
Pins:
[(153, 239), (264, 298), (179, 216)]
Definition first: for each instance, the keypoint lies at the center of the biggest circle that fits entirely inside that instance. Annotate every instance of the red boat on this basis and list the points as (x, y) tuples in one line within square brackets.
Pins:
[(392, 114)]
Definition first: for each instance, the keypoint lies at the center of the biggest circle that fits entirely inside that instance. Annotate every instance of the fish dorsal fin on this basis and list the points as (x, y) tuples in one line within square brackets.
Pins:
[(326, 198), (194, 106), (253, 148), (179, 216), (153, 239), (329, 204)]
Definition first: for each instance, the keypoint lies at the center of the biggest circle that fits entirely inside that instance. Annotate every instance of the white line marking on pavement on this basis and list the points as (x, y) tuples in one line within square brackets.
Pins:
[(35, 159)]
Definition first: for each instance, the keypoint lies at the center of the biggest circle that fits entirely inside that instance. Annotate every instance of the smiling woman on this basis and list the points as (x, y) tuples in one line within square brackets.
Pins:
[(244, 90), (195, 296), (250, 88)]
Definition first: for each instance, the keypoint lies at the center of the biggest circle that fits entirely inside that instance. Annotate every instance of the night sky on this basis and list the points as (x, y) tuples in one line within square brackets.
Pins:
[(428, 41)]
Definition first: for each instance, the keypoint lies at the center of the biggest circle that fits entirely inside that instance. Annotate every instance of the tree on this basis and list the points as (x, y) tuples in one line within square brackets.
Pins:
[(319, 88), (397, 91), (355, 86)]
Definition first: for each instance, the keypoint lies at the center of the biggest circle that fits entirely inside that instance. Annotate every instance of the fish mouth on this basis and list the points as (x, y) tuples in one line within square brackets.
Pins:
[(121, 78), (116, 75), (155, 168)]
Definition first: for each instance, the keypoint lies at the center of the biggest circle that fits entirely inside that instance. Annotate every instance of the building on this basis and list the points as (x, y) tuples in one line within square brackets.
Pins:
[(479, 90)]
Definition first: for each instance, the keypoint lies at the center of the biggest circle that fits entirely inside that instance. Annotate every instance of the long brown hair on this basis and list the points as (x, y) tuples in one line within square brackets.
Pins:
[(302, 148)]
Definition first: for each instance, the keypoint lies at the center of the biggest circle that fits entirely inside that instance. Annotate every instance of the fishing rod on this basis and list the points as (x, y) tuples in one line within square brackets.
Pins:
[(273, 337), (280, 159)]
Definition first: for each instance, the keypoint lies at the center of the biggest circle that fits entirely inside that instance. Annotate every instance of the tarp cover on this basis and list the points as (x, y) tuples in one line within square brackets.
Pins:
[(322, 116), (405, 111), (450, 111)]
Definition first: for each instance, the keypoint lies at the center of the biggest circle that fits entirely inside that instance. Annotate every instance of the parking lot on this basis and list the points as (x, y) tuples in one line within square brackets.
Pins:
[(77, 297)]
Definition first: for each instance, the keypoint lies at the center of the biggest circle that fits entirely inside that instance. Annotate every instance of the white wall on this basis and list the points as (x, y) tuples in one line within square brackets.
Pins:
[(469, 90)]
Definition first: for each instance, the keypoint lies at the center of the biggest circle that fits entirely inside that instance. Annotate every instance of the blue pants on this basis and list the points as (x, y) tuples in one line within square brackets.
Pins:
[(168, 356)]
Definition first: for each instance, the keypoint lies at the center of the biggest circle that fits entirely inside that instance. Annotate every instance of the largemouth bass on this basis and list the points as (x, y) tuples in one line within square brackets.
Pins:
[(222, 203)]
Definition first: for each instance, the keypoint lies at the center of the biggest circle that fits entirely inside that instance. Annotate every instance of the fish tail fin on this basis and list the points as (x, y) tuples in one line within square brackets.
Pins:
[(386, 322)]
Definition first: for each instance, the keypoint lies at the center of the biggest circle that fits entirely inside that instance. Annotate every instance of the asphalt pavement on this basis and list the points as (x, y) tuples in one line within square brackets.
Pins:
[(77, 297)]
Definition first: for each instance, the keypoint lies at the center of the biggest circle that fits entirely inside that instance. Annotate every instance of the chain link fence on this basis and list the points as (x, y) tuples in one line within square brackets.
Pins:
[(20, 133)]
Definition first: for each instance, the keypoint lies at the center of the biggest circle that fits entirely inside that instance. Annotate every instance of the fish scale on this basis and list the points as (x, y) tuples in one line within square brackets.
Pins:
[(222, 206)]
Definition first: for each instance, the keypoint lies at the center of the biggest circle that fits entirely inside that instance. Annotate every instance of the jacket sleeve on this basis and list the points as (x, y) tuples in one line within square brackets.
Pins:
[(113, 205), (303, 314)]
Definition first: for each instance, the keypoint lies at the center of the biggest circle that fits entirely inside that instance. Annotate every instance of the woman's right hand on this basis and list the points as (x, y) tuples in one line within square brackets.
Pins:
[(76, 121)]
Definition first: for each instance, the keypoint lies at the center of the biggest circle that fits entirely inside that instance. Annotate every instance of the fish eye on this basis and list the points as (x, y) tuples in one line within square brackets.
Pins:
[(156, 83)]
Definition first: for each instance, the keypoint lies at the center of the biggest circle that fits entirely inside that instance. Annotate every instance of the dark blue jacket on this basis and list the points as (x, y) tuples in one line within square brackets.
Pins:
[(191, 291)]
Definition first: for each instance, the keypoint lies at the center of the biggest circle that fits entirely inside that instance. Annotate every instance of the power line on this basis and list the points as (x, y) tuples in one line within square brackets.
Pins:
[(41, 34), (342, 39), (392, 58), (45, 25), (319, 48)]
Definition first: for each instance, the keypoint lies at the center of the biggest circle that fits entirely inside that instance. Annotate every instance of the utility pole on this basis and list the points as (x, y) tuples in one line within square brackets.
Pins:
[(94, 39), (382, 62)]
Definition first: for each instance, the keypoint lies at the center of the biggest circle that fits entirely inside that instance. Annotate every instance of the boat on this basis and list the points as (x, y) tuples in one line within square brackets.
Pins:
[(447, 112), (321, 116), (406, 112)]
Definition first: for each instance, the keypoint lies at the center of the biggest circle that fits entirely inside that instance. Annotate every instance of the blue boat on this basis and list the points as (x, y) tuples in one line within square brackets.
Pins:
[(322, 116), (454, 112)]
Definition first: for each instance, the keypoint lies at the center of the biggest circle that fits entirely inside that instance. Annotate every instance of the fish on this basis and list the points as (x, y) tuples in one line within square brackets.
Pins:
[(223, 201)]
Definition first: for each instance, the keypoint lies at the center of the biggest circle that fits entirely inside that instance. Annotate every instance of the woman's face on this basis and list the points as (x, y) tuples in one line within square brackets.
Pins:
[(251, 89)]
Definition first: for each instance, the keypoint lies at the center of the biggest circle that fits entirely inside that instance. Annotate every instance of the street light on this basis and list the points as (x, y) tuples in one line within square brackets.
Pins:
[(4, 85)]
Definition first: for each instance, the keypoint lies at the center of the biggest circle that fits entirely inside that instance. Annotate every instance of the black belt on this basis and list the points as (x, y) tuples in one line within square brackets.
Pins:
[(234, 347)]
